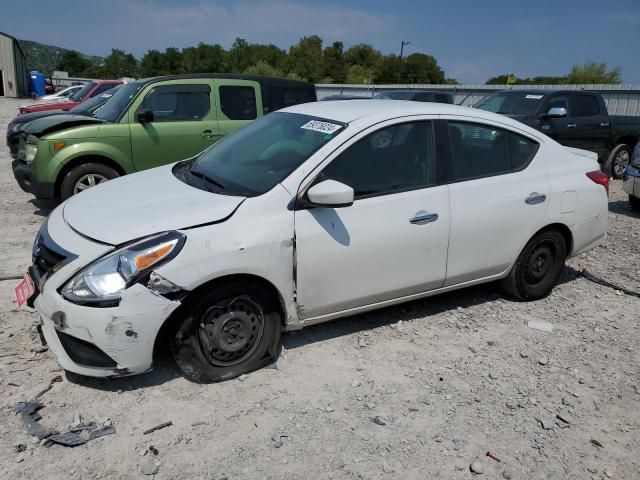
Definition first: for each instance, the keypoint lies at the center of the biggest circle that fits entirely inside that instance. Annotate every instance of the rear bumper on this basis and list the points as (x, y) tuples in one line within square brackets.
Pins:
[(631, 181), (27, 181)]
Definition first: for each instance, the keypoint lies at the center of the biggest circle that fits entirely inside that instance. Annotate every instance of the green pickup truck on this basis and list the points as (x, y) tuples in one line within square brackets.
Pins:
[(145, 124)]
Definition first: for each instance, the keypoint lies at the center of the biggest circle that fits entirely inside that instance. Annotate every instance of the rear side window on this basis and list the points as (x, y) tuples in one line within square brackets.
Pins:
[(103, 88), (442, 98), (390, 160), (281, 97), (586, 106), (238, 102), (178, 103), (484, 151)]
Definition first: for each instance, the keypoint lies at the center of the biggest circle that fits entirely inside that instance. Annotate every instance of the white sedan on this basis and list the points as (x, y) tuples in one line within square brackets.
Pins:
[(314, 212)]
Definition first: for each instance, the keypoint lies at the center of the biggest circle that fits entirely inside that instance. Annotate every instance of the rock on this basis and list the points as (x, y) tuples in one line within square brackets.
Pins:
[(546, 424), (243, 377), (543, 361), (150, 468), (361, 342), (523, 354), (378, 420), (329, 409), (21, 447), (386, 468), (507, 474), (609, 473), (355, 383), (477, 467), (493, 376), (540, 325)]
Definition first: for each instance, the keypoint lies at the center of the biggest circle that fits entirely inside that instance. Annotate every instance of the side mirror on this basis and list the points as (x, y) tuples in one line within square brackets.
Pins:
[(330, 193), (556, 112), (144, 116)]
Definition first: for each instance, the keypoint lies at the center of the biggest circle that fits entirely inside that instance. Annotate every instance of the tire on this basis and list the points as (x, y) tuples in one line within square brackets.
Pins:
[(617, 161), (538, 267), (634, 202), (231, 330), (82, 175)]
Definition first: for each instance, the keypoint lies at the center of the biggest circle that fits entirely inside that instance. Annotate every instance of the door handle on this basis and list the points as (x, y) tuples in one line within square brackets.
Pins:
[(208, 134), (604, 124), (422, 218), (535, 198), (571, 125)]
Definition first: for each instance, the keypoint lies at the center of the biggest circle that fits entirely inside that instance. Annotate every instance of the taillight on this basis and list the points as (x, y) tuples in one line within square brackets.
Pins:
[(600, 178)]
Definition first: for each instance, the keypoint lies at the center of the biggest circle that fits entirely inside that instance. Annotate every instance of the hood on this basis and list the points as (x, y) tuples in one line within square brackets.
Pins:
[(41, 107), (142, 204), (49, 124), (30, 117)]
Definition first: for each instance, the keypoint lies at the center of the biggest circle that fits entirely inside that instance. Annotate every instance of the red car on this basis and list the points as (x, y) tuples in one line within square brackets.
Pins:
[(89, 90)]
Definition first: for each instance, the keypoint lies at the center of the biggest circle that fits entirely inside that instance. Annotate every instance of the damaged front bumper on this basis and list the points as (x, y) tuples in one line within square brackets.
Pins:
[(89, 340)]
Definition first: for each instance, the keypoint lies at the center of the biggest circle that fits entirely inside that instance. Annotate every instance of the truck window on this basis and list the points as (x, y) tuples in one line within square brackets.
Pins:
[(238, 102), (586, 106), (178, 103), (559, 101)]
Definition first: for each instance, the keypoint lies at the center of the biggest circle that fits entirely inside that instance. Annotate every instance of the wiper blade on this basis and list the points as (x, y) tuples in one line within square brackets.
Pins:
[(207, 178)]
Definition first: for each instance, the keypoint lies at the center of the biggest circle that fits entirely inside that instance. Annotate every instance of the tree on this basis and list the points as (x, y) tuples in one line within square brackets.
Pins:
[(359, 74), (390, 70), (204, 59), (239, 56), (263, 68), (421, 68), (73, 63), (119, 64), (335, 68), (305, 58), (592, 72), (364, 55), (151, 64)]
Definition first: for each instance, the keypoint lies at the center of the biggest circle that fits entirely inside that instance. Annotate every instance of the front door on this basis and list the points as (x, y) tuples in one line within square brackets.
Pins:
[(591, 126), (184, 123), (392, 241)]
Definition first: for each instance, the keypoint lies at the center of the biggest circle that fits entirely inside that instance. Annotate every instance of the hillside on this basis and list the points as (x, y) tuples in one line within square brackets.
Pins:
[(44, 58)]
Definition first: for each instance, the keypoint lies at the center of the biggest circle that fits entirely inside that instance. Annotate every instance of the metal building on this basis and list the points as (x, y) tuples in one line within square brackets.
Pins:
[(14, 78)]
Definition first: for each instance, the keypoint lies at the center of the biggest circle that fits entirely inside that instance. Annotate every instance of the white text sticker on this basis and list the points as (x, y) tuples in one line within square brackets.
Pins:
[(535, 97), (322, 127)]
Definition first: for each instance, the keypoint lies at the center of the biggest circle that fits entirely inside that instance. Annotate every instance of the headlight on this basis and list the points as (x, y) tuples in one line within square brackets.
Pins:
[(103, 281), (30, 151), (635, 158)]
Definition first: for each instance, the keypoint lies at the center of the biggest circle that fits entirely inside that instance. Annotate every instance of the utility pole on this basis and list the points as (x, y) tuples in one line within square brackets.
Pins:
[(403, 43)]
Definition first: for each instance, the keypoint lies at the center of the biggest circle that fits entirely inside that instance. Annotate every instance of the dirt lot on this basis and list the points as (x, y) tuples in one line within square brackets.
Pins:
[(418, 391)]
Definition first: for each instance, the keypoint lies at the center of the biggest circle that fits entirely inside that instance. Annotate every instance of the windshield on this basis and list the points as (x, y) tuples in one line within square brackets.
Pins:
[(94, 103), (115, 105), (257, 157), (80, 94), (511, 103), (395, 95)]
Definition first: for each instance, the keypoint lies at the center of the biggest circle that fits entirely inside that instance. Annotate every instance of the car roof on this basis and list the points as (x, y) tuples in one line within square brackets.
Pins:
[(413, 90), (262, 79), (348, 111), (537, 91)]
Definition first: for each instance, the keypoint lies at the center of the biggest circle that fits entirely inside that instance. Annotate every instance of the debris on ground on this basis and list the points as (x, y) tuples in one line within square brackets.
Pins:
[(158, 427), (540, 325)]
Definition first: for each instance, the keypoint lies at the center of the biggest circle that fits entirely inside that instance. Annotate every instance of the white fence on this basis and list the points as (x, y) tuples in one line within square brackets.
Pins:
[(620, 99)]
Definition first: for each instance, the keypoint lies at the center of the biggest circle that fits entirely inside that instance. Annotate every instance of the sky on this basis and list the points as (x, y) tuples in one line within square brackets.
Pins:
[(471, 40)]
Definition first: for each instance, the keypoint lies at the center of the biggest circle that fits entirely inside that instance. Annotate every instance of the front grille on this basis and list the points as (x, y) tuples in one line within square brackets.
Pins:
[(47, 255)]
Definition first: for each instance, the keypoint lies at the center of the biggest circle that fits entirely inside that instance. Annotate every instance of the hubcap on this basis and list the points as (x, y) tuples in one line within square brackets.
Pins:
[(621, 162), (231, 331), (87, 181), (539, 264)]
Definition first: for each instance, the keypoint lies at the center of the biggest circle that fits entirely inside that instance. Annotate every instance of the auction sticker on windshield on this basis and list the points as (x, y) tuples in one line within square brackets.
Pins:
[(534, 97), (322, 127)]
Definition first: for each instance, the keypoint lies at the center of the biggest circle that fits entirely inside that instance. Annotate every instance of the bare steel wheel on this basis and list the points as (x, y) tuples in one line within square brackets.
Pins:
[(618, 161), (87, 181), (227, 330)]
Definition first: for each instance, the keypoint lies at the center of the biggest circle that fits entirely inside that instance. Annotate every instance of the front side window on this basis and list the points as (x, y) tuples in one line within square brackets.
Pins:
[(178, 103), (484, 151), (238, 102), (83, 92), (511, 103), (586, 106), (394, 159), (559, 101)]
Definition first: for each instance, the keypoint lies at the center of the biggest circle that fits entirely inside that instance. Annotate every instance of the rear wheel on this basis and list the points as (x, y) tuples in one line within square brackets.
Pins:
[(618, 161), (538, 267), (635, 202), (229, 331), (85, 176)]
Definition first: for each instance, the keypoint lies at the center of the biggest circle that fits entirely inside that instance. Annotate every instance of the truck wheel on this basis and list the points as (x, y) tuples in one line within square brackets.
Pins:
[(538, 267), (231, 330), (618, 161), (634, 202), (85, 176)]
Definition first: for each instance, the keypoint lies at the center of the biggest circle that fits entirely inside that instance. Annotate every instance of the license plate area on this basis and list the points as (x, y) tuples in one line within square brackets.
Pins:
[(25, 290)]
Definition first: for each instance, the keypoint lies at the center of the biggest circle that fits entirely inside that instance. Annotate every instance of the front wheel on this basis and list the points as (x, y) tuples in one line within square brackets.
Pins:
[(538, 267), (85, 176), (618, 161), (232, 330)]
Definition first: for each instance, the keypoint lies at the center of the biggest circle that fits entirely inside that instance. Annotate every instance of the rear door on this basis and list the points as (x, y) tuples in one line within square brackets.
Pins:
[(184, 122), (238, 102), (590, 130), (499, 192)]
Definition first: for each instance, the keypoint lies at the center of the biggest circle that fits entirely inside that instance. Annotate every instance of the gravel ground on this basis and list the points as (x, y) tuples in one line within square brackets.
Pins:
[(423, 390)]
